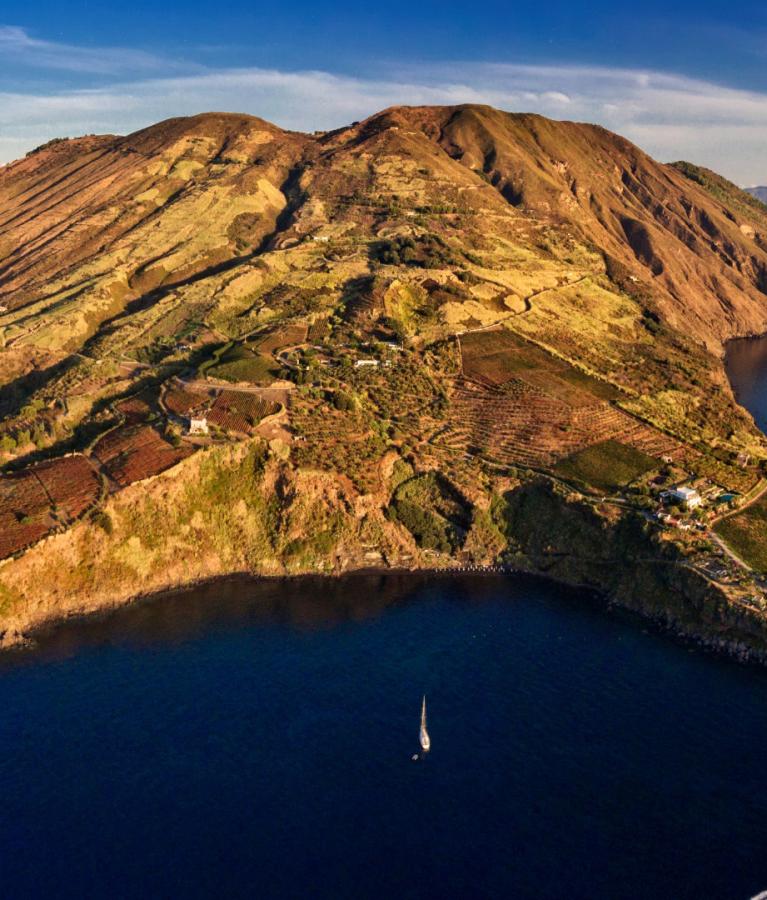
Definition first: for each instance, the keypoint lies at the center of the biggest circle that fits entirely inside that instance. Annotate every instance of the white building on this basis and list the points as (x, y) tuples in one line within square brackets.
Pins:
[(198, 426), (366, 363), (688, 496)]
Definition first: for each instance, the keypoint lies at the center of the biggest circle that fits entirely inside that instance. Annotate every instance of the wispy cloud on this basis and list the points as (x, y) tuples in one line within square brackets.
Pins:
[(19, 47), (669, 115)]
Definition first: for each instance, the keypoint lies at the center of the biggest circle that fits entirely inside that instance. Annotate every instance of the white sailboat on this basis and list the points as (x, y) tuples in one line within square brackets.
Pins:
[(424, 734)]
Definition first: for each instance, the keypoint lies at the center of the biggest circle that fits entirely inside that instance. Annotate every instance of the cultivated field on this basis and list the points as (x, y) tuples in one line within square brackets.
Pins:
[(71, 483), (344, 442), (240, 411), (497, 356), (25, 512), (181, 400), (518, 424), (242, 364), (517, 405), (32, 502), (318, 330), (130, 454), (137, 408), (608, 465), (286, 336), (745, 533)]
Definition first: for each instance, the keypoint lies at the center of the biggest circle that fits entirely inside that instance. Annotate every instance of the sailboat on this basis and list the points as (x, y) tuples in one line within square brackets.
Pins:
[(424, 734)]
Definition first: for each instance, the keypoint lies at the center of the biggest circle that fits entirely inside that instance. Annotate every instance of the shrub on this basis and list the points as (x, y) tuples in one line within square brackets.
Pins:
[(343, 401), (426, 252), (428, 532), (104, 521)]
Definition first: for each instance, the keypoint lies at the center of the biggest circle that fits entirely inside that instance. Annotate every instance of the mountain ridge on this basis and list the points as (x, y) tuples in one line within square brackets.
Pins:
[(518, 154), (758, 191)]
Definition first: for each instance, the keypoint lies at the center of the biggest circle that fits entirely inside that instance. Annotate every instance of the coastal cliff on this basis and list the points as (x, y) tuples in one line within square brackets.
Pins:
[(617, 554), (238, 510)]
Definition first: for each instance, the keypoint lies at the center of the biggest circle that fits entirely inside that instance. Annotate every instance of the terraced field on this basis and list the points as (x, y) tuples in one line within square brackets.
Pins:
[(287, 336), (130, 454), (318, 330), (608, 466), (496, 356), (516, 404), (71, 483), (137, 408), (67, 486), (182, 400), (25, 512), (239, 411), (519, 424), (338, 442), (745, 531)]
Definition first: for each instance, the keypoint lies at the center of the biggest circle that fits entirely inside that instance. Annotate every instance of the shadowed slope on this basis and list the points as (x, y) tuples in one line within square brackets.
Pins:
[(705, 257)]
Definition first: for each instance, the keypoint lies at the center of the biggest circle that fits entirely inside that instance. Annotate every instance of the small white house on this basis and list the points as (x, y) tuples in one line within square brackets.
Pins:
[(366, 364), (743, 459), (688, 496), (198, 426)]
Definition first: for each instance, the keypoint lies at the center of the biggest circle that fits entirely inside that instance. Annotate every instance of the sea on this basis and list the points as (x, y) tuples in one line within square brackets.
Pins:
[(256, 739)]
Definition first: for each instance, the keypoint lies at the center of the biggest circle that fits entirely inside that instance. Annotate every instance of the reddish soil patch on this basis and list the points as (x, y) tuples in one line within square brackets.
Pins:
[(137, 408), (181, 401), (131, 454), (240, 411), (24, 512), (286, 336), (71, 483)]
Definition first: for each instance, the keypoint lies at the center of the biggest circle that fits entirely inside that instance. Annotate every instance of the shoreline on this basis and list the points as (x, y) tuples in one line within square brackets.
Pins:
[(666, 624), (14, 639)]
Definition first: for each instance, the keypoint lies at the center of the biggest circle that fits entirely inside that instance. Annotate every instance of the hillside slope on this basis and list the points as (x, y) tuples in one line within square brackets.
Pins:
[(405, 320)]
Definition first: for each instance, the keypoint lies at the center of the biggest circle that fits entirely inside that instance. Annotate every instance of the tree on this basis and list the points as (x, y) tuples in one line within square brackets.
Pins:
[(343, 401), (39, 436)]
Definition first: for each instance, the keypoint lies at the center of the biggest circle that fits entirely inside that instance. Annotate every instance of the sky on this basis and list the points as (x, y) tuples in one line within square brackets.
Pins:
[(684, 79)]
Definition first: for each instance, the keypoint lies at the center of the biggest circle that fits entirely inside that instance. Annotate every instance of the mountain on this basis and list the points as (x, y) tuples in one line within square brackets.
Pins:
[(760, 192), (399, 340)]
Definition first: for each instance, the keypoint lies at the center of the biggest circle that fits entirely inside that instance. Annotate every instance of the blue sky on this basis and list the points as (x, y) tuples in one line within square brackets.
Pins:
[(684, 80)]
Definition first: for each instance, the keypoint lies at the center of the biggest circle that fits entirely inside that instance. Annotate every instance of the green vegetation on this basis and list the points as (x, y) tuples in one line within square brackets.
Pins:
[(722, 189), (433, 511), (226, 502), (350, 442), (426, 252), (323, 534), (607, 466), (236, 363), (745, 533), (104, 521)]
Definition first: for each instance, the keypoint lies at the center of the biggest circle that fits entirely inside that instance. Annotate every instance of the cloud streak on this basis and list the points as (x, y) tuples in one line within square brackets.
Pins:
[(19, 47), (669, 115)]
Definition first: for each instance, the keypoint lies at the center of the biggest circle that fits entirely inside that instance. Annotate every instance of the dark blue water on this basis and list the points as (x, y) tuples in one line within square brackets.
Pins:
[(255, 741), (746, 362)]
